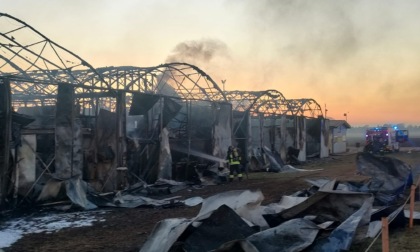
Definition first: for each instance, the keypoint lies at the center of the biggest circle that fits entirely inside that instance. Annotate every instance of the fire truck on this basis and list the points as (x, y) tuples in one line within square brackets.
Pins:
[(385, 139)]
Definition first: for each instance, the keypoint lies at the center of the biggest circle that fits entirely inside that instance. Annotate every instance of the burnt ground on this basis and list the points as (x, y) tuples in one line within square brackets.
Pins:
[(127, 229)]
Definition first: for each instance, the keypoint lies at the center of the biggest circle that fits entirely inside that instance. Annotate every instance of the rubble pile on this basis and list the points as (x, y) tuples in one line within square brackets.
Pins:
[(330, 216)]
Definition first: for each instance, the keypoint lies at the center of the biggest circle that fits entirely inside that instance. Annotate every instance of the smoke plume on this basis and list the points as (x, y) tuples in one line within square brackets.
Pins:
[(202, 51)]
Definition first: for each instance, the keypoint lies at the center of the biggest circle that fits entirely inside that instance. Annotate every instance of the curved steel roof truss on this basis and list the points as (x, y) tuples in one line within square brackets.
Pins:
[(32, 61), (23, 49), (304, 107), (268, 102)]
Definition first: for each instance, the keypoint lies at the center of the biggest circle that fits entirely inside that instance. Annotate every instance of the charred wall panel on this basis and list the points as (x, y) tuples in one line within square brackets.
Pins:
[(295, 135), (77, 160), (121, 146), (140, 149), (267, 135), (301, 129), (68, 154), (143, 128), (222, 131), (102, 153), (43, 115), (257, 129), (142, 103), (325, 135), (290, 132), (249, 138), (200, 126), (170, 109), (301, 126), (26, 167), (313, 137), (148, 152), (5, 137), (273, 138), (165, 158), (283, 138), (140, 135)]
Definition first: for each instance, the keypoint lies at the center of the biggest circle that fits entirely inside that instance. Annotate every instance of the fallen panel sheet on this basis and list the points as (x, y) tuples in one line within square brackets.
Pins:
[(74, 188), (142, 103), (374, 228), (237, 246), (342, 237), (416, 215), (222, 226), (292, 235), (394, 213), (76, 191), (233, 199), (327, 206), (165, 233), (193, 201), (168, 231), (133, 201), (286, 202), (389, 176)]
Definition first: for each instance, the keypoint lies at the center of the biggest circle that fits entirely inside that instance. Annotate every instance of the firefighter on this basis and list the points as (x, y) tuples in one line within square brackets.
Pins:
[(234, 162)]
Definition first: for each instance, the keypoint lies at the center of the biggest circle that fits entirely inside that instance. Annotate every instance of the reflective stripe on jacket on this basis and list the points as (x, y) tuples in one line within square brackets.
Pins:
[(232, 161)]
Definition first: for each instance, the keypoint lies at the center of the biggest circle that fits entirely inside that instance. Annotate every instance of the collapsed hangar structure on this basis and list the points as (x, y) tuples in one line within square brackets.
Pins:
[(61, 118), (266, 123)]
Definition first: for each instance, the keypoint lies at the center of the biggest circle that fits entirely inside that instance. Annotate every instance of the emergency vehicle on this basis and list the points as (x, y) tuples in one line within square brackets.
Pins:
[(385, 139)]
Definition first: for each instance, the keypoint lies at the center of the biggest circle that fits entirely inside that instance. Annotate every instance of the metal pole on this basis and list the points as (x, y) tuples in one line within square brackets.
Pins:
[(413, 189), (385, 235)]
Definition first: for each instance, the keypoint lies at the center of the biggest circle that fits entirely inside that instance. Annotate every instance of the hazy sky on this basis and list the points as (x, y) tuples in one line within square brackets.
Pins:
[(356, 57)]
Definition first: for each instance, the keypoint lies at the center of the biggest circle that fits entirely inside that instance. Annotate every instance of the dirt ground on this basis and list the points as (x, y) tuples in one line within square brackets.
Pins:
[(128, 229)]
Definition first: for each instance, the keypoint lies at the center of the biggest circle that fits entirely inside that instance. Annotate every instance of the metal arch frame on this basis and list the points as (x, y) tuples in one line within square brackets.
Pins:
[(268, 102), (45, 70), (185, 79), (12, 52), (211, 92), (306, 107)]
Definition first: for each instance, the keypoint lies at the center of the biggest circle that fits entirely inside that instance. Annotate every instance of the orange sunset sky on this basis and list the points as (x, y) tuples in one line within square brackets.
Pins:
[(356, 57)]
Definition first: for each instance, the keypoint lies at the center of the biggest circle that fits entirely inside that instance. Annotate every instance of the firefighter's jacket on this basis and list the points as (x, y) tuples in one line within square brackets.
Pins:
[(234, 158)]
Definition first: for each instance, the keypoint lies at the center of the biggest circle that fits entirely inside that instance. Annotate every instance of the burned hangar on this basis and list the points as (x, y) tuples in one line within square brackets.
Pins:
[(109, 127)]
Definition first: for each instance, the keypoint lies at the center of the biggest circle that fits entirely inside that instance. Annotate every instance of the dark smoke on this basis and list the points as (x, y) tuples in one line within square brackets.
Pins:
[(202, 51), (314, 32), (331, 42)]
